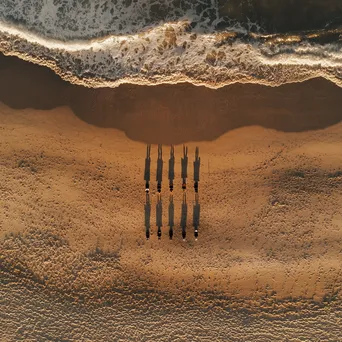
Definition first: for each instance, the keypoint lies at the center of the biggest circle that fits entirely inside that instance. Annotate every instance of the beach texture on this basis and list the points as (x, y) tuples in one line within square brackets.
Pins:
[(86, 85), (75, 264)]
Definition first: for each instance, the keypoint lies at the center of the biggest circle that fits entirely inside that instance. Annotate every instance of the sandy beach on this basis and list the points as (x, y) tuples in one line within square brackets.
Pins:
[(75, 264)]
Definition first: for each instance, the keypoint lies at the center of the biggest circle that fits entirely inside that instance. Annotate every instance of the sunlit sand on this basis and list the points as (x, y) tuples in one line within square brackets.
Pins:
[(75, 261)]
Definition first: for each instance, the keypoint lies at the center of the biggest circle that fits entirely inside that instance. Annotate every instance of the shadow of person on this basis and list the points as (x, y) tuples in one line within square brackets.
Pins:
[(184, 216), (147, 208), (196, 216), (159, 216), (171, 216), (175, 114), (197, 164), (147, 172), (184, 164), (159, 173), (171, 168)]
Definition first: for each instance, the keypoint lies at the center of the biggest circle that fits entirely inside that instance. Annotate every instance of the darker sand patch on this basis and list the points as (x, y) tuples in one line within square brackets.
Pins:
[(174, 113)]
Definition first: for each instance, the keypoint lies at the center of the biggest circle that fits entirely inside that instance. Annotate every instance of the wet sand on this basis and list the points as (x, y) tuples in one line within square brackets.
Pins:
[(174, 114), (75, 264)]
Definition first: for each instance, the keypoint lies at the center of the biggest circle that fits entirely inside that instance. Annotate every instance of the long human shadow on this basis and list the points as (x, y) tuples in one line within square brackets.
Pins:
[(197, 164), (196, 215), (159, 173), (171, 216), (184, 166), (171, 168), (184, 216), (159, 216), (147, 207), (147, 172), (174, 114)]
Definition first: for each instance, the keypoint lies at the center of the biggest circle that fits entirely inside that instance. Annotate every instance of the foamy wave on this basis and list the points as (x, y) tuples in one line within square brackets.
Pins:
[(172, 53), (68, 19)]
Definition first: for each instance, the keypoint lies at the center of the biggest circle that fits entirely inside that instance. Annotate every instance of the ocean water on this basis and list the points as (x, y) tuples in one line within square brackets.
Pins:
[(102, 43)]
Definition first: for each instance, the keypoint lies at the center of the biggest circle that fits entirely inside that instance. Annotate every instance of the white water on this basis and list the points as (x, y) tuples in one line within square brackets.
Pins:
[(153, 54), (81, 19)]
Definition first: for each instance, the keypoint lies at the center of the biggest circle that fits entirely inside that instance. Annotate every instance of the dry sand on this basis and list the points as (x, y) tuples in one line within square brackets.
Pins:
[(75, 264)]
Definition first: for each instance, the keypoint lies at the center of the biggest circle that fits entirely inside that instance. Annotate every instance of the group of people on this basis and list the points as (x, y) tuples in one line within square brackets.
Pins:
[(160, 163), (171, 210), (171, 176)]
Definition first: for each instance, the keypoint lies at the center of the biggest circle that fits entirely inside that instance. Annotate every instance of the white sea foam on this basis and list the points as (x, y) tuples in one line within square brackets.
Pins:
[(81, 19), (169, 52)]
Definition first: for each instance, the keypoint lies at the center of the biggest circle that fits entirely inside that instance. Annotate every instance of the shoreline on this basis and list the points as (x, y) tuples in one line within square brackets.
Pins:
[(168, 54), (199, 114)]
